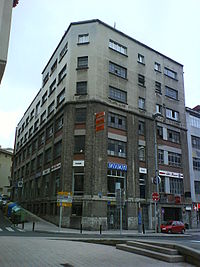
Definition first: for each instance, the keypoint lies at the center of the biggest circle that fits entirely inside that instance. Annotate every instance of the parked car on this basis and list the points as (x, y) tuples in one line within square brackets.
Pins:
[(173, 227)]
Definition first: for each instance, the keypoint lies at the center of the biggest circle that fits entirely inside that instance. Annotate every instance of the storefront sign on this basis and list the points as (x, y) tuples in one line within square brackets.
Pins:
[(188, 208), (46, 171), (143, 170), (56, 167), (117, 166), (171, 174), (77, 163)]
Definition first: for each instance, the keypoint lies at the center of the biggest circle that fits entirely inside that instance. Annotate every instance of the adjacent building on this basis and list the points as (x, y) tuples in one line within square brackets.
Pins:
[(5, 23), (193, 125), (106, 104), (5, 170)]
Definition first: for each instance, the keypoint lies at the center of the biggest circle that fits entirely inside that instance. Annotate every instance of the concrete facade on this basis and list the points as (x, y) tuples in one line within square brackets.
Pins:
[(5, 170), (193, 137), (5, 23), (100, 92)]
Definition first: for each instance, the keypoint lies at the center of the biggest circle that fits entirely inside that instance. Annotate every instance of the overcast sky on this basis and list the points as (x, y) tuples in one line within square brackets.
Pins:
[(169, 26)]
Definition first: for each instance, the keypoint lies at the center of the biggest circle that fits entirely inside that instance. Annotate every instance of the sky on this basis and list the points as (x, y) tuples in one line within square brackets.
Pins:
[(168, 26)]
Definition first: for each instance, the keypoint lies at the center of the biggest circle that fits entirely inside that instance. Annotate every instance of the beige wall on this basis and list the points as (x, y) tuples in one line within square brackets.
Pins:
[(5, 171)]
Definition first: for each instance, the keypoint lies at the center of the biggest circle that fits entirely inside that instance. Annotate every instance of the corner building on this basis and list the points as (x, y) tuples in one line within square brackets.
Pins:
[(92, 124)]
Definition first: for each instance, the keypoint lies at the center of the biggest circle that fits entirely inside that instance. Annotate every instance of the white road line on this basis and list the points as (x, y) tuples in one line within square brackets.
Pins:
[(10, 229), (20, 230), (195, 241), (1, 230)]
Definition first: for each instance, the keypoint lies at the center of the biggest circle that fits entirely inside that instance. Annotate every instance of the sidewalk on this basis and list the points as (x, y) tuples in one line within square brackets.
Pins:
[(47, 227)]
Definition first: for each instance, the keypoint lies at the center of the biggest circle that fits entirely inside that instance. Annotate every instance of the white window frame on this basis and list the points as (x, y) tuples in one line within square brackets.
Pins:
[(117, 47)]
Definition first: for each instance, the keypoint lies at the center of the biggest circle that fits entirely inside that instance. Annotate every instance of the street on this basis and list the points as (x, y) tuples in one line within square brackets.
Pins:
[(27, 248)]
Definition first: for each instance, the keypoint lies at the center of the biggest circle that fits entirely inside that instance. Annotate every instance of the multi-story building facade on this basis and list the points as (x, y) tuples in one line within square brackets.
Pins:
[(5, 170), (93, 124), (193, 134), (5, 23)]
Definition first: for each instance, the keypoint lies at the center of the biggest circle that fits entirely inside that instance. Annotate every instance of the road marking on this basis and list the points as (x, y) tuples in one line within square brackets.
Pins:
[(10, 229), (20, 230), (1, 230), (195, 241)]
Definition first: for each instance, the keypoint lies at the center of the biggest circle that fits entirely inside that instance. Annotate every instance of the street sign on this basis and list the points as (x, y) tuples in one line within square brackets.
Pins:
[(155, 196), (64, 199), (157, 180)]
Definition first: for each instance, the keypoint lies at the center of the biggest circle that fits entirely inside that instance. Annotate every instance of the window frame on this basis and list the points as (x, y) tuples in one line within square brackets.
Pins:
[(117, 70), (117, 47), (114, 94)]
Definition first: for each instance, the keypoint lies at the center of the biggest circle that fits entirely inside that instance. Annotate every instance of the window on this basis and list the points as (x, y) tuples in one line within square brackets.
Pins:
[(46, 189), (116, 121), (174, 159), (117, 47), (117, 70), (47, 156), (83, 38), (197, 187), (41, 139), (158, 108), (63, 51), (51, 108), (34, 146), (117, 94), (141, 103), (80, 115), (30, 131), (116, 148), (142, 183), (78, 181), (27, 121), (176, 186), (160, 156), (49, 132), (79, 144), (36, 124), (62, 74), (170, 73), (52, 87), (59, 124), (158, 87), (37, 109), (141, 153), (171, 114), (196, 164), (61, 97), (54, 66), (82, 62), (27, 170), (44, 98), (157, 66), (32, 115), (45, 79), (141, 59), (160, 131), (56, 182), (81, 88), (25, 137), (194, 121), (113, 177), (173, 136), (171, 93), (39, 161), (162, 185), (195, 142), (33, 163), (141, 127), (43, 117), (141, 80), (57, 149)]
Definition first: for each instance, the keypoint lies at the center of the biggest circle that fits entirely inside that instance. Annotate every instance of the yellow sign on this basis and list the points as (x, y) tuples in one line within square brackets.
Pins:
[(63, 204)]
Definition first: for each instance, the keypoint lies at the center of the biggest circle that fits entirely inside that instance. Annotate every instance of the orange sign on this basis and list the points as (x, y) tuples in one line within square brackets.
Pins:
[(100, 114), (99, 128)]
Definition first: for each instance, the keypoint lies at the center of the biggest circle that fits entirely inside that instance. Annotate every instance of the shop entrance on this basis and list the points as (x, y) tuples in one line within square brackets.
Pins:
[(113, 217), (172, 214)]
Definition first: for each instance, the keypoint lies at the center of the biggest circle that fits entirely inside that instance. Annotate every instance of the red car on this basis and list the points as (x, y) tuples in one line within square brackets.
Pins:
[(173, 227)]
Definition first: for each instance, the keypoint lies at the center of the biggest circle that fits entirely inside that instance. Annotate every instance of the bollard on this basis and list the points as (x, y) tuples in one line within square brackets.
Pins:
[(81, 229), (33, 229), (143, 229), (100, 229), (23, 225)]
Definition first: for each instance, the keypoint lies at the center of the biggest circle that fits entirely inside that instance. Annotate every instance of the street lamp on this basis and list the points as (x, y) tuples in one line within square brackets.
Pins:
[(157, 178)]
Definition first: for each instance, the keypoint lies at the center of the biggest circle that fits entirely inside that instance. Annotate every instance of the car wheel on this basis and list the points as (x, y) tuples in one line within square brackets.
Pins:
[(169, 231)]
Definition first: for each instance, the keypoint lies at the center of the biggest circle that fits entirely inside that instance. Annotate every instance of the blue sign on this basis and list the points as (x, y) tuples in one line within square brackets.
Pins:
[(117, 166)]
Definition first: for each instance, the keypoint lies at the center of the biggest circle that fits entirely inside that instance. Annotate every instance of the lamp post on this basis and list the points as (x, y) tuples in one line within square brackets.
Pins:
[(157, 178)]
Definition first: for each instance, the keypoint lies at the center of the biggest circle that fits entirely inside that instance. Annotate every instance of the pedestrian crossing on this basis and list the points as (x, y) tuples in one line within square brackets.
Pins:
[(11, 229)]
